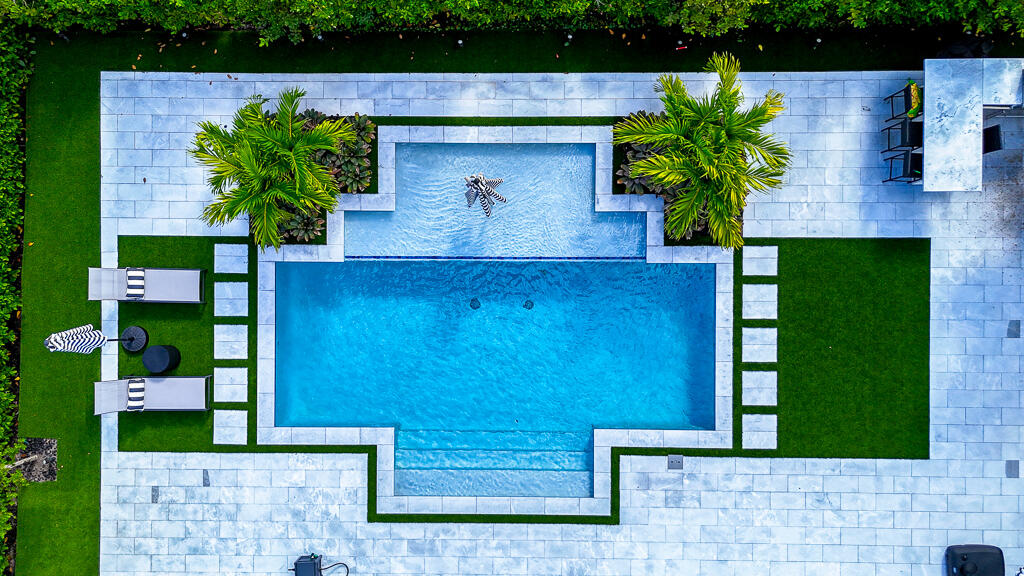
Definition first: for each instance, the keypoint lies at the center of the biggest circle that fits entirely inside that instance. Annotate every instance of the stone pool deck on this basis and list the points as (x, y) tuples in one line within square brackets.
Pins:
[(253, 513)]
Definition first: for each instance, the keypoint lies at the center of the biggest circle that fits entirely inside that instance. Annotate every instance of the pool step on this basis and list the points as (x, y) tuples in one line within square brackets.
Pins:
[(554, 483), (487, 440), (463, 459), (493, 463)]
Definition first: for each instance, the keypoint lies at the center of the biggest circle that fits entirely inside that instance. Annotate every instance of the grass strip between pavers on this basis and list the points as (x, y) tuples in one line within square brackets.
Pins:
[(62, 212)]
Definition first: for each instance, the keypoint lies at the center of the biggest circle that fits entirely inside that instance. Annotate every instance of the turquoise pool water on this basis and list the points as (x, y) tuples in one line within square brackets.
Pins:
[(495, 373), (550, 209)]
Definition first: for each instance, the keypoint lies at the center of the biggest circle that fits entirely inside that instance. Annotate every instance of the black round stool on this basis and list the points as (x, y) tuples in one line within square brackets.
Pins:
[(159, 359)]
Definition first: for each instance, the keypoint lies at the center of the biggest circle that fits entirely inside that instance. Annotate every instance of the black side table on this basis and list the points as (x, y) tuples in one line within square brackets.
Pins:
[(159, 359), (134, 338)]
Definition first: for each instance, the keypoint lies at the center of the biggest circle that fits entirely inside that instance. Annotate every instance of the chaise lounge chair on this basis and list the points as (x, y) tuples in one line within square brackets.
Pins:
[(171, 285), (177, 393)]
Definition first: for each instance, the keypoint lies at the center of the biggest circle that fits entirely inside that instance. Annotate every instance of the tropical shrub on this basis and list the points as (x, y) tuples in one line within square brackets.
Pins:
[(264, 166), (639, 184), (299, 19), (304, 19), (15, 69), (350, 165), (713, 152), (302, 227), (972, 16)]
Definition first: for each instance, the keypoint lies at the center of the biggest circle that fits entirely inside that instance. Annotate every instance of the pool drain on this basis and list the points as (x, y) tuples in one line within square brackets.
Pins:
[(528, 304), (474, 304)]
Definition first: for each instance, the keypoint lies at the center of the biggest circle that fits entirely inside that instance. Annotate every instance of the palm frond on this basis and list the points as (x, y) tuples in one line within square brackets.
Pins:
[(711, 153), (264, 167)]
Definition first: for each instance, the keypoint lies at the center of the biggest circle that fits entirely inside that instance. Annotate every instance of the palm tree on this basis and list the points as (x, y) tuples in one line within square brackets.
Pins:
[(263, 166), (712, 153)]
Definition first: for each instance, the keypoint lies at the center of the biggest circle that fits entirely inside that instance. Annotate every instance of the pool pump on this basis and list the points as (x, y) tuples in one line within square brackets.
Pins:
[(312, 565)]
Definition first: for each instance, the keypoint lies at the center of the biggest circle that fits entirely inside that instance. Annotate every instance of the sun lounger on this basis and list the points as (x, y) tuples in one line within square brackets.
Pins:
[(176, 393), (172, 285)]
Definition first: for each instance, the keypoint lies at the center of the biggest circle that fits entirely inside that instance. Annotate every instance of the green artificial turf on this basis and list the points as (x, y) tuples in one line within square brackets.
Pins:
[(189, 327), (62, 240), (58, 522), (853, 348)]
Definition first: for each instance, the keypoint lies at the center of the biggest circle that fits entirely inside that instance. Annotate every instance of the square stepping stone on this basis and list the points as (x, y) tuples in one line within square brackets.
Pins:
[(760, 260), (230, 426), (231, 258), (230, 298), (760, 431), (230, 384), (760, 344), (230, 341), (760, 388), (761, 301)]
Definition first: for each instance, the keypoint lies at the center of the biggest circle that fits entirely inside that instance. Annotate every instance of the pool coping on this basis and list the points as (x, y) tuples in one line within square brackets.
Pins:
[(383, 438)]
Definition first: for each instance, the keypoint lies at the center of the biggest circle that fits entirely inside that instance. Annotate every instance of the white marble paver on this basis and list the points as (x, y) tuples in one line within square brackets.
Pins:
[(760, 431), (230, 384), (245, 513), (231, 258), (759, 344), (760, 301), (760, 388), (229, 426), (760, 260), (231, 299), (230, 341)]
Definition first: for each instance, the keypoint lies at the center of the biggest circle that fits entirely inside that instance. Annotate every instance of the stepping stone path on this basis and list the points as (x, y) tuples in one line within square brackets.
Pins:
[(760, 344), (230, 342)]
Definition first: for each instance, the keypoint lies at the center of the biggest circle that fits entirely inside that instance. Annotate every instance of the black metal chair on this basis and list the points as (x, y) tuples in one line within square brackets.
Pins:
[(906, 166), (900, 102), (991, 139), (909, 135)]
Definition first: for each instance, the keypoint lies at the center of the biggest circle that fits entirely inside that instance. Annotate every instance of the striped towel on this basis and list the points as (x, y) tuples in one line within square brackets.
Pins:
[(136, 283), (136, 393)]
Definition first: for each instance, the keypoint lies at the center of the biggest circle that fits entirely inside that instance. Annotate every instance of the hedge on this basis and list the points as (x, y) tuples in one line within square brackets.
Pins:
[(298, 19), (303, 19), (15, 69)]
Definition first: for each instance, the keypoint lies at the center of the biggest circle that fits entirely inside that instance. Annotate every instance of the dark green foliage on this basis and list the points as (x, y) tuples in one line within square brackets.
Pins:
[(977, 16), (302, 227), (302, 20), (638, 184), (14, 73), (350, 165), (264, 166), (307, 19), (710, 152)]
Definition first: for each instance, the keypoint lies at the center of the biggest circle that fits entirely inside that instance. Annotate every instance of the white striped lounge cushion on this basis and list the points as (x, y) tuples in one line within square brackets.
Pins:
[(136, 283), (136, 393)]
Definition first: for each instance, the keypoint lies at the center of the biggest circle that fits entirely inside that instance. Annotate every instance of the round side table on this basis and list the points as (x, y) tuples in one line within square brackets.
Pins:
[(134, 338), (159, 359)]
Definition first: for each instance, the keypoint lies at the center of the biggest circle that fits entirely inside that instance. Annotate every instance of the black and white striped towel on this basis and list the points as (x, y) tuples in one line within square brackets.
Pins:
[(136, 283), (136, 393)]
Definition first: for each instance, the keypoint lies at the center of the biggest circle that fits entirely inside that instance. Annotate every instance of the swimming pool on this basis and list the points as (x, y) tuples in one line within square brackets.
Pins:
[(550, 210), (494, 373)]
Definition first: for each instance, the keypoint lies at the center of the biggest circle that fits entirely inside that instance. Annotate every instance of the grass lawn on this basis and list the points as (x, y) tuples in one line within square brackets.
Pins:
[(189, 327), (62, 240), (853, 348)]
